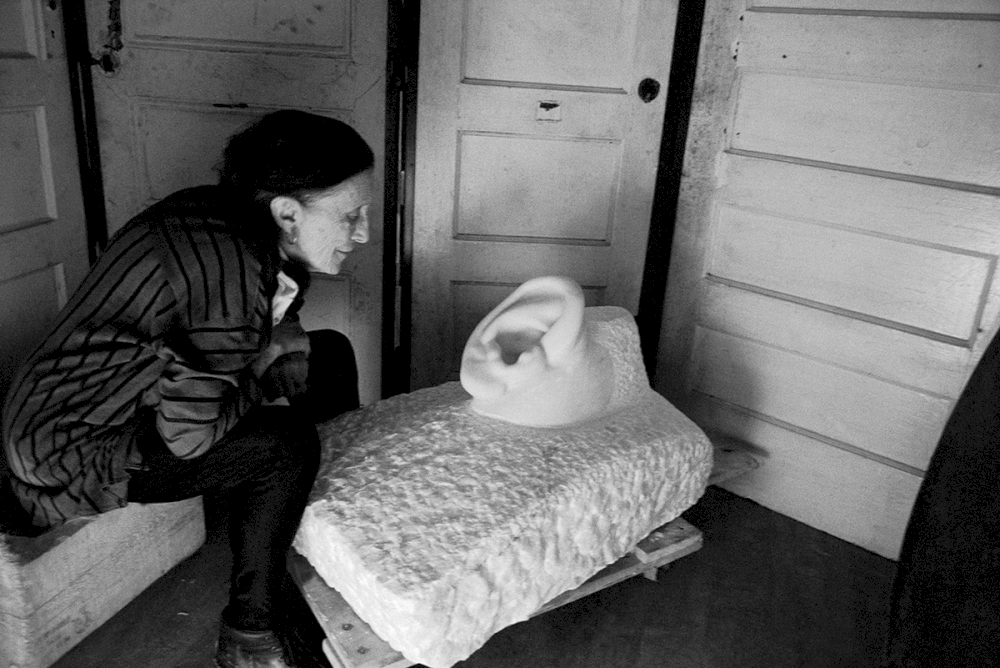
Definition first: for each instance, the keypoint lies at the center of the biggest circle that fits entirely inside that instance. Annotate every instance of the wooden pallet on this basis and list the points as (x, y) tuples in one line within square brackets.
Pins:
[(351, 643), (730, 458)]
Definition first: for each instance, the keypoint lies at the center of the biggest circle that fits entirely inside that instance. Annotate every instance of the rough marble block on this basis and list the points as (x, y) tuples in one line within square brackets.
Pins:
[(440, 525)]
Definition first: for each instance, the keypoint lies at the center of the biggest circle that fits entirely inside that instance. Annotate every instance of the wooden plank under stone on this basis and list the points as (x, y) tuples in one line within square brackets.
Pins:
[(730, 459), (672, 539)]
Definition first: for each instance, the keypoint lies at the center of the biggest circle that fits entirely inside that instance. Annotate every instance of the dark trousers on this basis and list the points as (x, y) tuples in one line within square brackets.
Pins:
[(260, 475)]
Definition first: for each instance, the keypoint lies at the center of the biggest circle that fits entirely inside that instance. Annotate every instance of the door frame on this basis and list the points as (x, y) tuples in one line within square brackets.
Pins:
[(81, 84), (666, 193), (402, 50)]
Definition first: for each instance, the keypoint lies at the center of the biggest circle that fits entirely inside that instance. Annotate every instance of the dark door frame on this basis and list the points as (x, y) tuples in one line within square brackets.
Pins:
[(401, 138), (677, 116), (81, 86)]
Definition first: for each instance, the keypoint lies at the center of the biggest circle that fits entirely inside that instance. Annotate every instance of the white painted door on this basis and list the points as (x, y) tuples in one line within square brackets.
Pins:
[(43, 246), (833, 279), (535, 155), (177, 78)]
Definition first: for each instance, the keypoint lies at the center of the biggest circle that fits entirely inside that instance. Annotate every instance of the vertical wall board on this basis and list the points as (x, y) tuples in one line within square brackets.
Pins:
[(854, 498), (887, 420), (875, 48), (937, 290), (984, 7), (936, 215), (833, 272), (935, 133), (882, 352)]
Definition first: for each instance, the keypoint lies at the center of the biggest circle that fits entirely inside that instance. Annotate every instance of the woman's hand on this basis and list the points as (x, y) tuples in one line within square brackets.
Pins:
[(287, 337)]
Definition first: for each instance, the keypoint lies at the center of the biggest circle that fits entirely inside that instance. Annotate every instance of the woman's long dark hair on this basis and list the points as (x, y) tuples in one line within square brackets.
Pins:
[(292, 153)]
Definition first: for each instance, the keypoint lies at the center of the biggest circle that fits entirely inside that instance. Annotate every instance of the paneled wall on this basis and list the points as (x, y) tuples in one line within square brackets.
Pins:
[(833, 280)]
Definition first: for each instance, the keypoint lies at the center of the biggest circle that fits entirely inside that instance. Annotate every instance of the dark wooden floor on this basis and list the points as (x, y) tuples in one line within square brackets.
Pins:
[(765, 591)]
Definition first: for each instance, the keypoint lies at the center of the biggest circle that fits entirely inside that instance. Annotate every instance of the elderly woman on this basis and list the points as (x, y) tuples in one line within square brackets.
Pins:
[(160, 380)]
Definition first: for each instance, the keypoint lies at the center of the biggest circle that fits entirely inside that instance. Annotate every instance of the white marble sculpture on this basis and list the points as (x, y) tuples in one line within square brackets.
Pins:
[(442, 518), (540, 358)]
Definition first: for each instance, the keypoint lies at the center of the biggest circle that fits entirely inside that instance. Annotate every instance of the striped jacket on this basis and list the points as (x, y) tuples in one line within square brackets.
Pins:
[(162, 330)]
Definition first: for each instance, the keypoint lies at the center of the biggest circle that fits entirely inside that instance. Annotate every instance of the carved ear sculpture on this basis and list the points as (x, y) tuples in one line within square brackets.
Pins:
[(537, 360)]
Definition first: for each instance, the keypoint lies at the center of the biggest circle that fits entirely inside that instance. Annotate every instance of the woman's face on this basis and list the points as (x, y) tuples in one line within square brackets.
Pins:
[(323, 231)]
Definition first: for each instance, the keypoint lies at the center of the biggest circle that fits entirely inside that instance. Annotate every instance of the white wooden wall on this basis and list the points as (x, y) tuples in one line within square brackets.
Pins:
[(833, 279)]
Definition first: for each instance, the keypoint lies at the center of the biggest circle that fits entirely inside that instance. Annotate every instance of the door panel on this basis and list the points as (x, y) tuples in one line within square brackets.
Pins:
[(26, 171), (180, 144), (43, 247), (846, 270), (883, 419), (929, 141), (564, 188), (535, 155), (864, 501), (833, 273), (899, 357), (984, 7), (304, 27), (184, 76), (562, 42)]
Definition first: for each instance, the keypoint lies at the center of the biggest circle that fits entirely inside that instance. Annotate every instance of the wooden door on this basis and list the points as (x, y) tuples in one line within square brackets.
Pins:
[(43, 246), (535, 155), (176, 78), (833, 279)]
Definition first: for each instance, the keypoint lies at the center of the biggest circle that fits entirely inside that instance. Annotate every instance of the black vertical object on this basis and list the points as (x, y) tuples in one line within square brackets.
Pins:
[(946, 596), (79, 61), (680, 92), (403, 52), (394, 81)]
